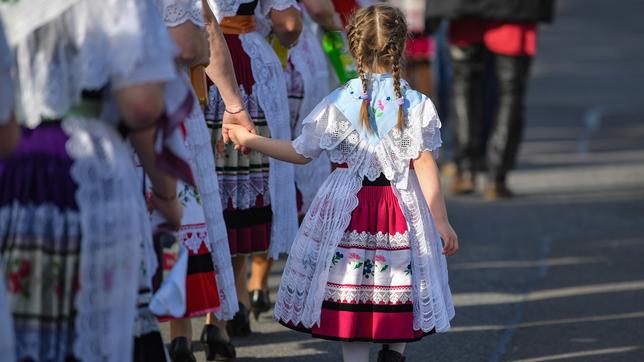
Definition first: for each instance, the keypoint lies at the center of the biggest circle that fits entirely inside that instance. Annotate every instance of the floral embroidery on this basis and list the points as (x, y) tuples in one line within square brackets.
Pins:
[(381, 263), (337, 257), (368, 269), (188, 193), (355, 261), (18, 277)]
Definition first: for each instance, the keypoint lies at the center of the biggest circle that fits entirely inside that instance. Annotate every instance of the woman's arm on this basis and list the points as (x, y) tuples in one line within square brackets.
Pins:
[(193, 44), (287, 25), (323, 12), (221, 72), (141, 106), (278, 149), (427, 173)]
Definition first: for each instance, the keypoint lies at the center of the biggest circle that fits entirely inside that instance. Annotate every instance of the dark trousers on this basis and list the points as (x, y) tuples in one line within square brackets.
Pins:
[(471, 151)]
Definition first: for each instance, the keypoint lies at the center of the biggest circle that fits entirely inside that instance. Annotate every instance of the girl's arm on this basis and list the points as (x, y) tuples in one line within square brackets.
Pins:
[(278, 149), (430, 184)]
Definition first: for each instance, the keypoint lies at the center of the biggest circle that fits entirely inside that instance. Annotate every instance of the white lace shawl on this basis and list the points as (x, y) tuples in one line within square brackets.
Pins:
[(6, 83), (301, 291), (177, 12), (224, 8), (311, 63), (67, 54), (270, 89)]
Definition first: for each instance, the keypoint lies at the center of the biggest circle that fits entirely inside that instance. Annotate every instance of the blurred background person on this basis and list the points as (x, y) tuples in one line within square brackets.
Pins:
[(508, 34)]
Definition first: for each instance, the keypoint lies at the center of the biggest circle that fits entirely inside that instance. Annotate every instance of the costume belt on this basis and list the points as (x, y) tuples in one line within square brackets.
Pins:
[(238, 24)]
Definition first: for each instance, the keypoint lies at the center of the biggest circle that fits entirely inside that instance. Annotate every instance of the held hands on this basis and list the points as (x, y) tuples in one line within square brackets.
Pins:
[(237, 134), (449, 237), (239, 118)]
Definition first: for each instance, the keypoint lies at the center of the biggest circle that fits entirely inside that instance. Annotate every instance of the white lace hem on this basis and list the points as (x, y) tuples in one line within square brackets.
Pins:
[(177, 12), (367, 294)]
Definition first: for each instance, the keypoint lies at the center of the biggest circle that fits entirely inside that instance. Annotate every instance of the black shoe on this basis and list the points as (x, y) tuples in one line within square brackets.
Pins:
[(388, 355), (239, 326), (216, 347), (260, 302), (181, 350)]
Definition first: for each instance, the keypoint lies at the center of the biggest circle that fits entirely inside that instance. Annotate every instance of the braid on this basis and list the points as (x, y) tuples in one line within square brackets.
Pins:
[(377, 40)]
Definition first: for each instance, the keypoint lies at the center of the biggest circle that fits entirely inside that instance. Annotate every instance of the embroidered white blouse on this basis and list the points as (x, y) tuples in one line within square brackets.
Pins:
[(334, 126)]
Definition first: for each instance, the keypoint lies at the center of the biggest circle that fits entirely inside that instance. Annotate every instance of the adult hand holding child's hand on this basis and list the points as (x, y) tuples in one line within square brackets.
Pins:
[(236, 133)]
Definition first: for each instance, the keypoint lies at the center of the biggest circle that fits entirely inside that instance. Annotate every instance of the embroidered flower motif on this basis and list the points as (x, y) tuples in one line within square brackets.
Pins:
[(354, 256), (18, 277), (368, 269), (337, 257), (381, 263), (381, 105), (380, 258)]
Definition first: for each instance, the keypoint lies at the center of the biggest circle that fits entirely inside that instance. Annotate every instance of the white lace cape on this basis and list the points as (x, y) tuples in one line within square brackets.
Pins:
[(302, 287), (224, 8), (311, 63)]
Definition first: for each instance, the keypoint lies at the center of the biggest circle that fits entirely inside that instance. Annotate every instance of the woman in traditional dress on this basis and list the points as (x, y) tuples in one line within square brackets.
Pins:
[(73, 226), (259, 209)]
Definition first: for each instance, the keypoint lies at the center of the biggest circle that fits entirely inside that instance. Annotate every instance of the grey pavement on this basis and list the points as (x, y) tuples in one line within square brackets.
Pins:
[(556, 274)]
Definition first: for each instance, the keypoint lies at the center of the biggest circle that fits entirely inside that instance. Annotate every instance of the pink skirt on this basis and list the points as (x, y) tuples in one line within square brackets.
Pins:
[(369, 295)]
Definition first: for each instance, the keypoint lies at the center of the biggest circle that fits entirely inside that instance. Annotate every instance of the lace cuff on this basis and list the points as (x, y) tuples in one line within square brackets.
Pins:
[(314, 127), (6, 85), (425, 114), (177, 12), (267, 5)]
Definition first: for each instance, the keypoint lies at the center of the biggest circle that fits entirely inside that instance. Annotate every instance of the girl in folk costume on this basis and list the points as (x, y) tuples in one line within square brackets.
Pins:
[(259, 211), (74, 230), (206, 282), (307, 77), (368, 264)]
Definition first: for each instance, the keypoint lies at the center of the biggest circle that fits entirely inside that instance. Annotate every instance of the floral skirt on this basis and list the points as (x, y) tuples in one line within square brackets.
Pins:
[(40, 248), (243, 178), (368, 295)]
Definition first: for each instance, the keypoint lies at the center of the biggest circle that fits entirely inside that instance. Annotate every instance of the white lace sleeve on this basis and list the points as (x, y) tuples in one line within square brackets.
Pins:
[(177, 12), (267, 5), (425, 115), (313, 128), (6, 85)]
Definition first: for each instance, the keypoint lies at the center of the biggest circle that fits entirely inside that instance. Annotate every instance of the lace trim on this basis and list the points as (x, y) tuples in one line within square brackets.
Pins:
[(279, 5), (114, 225), (242, 191), (367, 294), (224, 8), (300, 295), (270, 88), (203, 163), (379, 241), (179, 12)]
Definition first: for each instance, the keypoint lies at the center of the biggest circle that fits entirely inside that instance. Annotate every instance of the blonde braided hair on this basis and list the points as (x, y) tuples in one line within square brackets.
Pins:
[(377, 37)]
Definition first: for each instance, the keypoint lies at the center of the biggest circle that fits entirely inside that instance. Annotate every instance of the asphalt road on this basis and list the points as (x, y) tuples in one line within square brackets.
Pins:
[(557, 273)]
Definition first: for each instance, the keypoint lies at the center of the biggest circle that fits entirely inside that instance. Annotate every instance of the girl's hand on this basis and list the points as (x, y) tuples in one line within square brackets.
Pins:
[(237, 134), (241, 119), (449, 237)]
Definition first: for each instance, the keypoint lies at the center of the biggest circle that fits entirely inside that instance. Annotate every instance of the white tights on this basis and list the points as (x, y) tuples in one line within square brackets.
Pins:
[(359, 351)]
